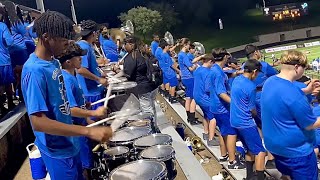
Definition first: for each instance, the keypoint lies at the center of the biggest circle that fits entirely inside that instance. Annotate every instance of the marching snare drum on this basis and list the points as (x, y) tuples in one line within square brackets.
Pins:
[(140, 170), (162, 153), (116, 156), (152, 140)]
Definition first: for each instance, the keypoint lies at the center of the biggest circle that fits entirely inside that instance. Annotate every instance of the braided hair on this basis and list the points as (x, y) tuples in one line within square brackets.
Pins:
[(87, 28), (5, 18), (54, 24)]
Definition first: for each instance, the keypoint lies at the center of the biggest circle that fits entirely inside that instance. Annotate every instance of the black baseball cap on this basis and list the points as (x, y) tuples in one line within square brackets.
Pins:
[(73, 50), (87, 27), (251, 65)]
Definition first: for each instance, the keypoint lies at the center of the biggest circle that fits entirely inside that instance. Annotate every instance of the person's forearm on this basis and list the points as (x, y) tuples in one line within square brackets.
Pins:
[(225, 97), (87, 74), (42, 123), (196, 59), (82, 113), (192, 68), (315, 125)]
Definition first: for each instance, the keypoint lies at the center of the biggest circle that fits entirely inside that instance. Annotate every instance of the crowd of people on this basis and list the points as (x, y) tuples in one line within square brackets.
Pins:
[(268, 111)]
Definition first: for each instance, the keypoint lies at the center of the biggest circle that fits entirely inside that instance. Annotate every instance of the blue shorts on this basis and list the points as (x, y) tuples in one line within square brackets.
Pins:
[(86, 155), (6, 75), (298, 168), (63, 169), (223, 122), (189, 84), (251, 139), (165, 80), (207, 114), (94, 99), (173, 82)]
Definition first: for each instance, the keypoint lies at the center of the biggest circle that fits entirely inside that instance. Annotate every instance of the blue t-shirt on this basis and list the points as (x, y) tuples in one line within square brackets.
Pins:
[(243, 95), (191, 56), (316, 112), (89, 61), (201, 91), (6, 41), (158, 54), (101, 38), (44, 91), (184, 64), (267, 71), (302, 85), (18, 32), (154, 46), (110, 49), (169, 73), (219, 85), (75, 96), (285, 116)]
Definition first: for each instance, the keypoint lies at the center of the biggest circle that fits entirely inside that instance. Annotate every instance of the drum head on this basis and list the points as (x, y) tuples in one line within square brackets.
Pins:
[(152, 140), (139, 123), (128, 134), (124, 85), (116, 151), (142, 169), (159, 153)]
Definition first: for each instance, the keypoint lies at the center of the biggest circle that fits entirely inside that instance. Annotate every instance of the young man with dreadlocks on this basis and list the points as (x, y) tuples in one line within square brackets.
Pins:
[(88, 75), (46, 102)]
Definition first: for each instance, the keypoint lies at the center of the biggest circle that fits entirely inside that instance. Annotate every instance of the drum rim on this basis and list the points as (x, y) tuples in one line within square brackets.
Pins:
[(162, 174), (130, 122), (131, 84), (169, 142), (161, 159), (120, 155)]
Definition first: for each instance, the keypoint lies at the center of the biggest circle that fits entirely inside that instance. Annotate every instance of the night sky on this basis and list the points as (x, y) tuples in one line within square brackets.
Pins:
[(108, 10)]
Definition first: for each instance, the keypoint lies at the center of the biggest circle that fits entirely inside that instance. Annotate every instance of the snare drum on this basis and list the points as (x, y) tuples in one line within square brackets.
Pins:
[(162, 153), (116, 156), (151, 140), (127, 135), (141, 169)]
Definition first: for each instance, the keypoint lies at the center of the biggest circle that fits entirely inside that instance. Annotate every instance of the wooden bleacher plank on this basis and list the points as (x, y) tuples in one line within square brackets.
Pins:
[(187, 161)]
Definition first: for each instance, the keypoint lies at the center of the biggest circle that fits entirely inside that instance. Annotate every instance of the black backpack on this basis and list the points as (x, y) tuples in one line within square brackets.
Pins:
[(154, 72)]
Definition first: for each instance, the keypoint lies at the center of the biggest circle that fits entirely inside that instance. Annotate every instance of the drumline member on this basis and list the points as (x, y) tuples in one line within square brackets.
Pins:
[(187, 67), (242, 111), (286, 115), (267, 71), (155, 44), (109, 47), (220, 105), (170, 71), (135, 69), (6, 71), (88, 75), (201, 93), (164, 87), (70, 61), (46, 102), (192, 51)]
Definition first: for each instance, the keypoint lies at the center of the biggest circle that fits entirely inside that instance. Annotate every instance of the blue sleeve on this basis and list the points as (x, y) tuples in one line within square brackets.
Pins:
[(252, 98), (302, 112), (34, 89), (20, 29), (219, 85), (207, 84), (85, 60), (7, 36), (70, 88), (153, 49), (270, 70), (187, 62)]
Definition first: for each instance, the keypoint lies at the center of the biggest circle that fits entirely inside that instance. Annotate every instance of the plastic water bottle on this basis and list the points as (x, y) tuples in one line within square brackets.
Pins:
[(188, 143), (38, 169)]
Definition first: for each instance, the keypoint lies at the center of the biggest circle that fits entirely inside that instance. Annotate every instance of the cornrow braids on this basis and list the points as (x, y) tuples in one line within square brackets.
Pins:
[(54, 24)]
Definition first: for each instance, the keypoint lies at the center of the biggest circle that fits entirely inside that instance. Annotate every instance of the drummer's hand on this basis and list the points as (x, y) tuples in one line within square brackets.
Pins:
[(101, 134), (314, 84), (103, 61), (103, 81), (101, 111)]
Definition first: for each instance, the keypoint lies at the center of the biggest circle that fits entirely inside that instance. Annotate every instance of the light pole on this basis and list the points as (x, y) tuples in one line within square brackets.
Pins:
[(40, 5), (73, 12)]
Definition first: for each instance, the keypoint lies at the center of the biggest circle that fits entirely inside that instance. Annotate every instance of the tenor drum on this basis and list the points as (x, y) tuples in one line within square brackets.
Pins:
[(162, 153), (116, 156), (127, 135), (152, 140), (139, 123), (140, 170)]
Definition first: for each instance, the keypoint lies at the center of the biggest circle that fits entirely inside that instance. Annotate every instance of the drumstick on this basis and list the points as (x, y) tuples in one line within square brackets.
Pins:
[(96, 48), (102, 100), (101, 121), (108, 95), (104, 55)]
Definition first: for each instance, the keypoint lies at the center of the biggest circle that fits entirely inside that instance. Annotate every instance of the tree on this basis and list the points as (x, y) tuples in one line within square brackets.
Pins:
[(169, 16), (144, 19)]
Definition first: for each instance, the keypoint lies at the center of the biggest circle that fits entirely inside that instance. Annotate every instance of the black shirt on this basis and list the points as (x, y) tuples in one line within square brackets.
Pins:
[(135, 69)]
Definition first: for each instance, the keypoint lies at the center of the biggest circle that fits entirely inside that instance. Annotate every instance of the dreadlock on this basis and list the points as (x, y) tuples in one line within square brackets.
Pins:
[(54, 24)]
